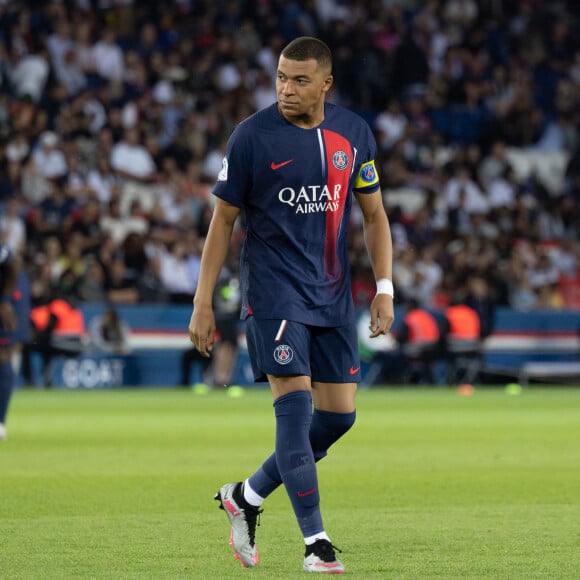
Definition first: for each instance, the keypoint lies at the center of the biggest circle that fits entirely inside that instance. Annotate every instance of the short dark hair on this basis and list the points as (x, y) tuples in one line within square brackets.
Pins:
[(306, 48)]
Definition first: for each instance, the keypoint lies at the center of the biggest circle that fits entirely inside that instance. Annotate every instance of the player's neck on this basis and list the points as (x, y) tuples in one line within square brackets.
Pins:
[(308, 120)]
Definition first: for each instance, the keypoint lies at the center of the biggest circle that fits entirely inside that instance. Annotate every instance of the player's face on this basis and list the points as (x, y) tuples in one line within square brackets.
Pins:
[(301, 87)]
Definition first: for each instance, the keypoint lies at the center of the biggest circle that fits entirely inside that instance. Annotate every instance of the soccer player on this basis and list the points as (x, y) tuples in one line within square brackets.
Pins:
[(9, 271), (293, 169)]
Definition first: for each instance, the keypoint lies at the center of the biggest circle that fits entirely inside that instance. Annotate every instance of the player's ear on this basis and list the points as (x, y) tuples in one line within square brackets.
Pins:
[(327, 83)]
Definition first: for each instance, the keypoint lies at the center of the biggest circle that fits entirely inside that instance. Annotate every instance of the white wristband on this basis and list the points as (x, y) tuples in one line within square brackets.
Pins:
[(385, 286)]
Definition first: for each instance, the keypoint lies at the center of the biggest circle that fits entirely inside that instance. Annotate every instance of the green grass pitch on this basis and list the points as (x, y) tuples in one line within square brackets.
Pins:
[(429, 484)]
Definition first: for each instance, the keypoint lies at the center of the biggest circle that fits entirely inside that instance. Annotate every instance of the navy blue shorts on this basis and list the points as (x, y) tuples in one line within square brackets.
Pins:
[(284, 347)]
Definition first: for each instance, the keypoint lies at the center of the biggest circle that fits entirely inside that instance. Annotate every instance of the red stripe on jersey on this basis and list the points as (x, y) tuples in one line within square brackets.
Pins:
[(338, 151)]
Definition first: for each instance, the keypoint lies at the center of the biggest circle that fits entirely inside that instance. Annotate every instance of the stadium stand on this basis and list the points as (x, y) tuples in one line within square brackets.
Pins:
[(122, 104)]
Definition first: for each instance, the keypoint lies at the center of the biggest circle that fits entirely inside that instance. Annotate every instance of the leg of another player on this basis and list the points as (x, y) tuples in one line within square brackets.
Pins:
[(7, 379), (224, 359)]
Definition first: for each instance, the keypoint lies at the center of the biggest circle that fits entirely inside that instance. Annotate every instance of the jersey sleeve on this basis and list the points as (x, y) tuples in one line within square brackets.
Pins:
[(367, 177), (233, 180)]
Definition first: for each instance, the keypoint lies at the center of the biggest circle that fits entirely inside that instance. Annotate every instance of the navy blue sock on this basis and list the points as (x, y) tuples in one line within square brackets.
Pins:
[(325, 429), (6, 386), (295, 459), (267, 477)]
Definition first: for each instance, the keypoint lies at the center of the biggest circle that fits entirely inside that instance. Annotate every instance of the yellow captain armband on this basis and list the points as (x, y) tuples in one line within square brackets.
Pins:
[(367, 176)]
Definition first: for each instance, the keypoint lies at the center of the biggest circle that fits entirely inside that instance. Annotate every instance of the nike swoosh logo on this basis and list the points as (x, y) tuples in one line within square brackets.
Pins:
[(306, 493), (353, 371), (275, 166)]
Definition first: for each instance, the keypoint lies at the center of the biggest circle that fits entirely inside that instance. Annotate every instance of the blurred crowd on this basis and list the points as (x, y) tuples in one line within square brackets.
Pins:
[(114, 116)]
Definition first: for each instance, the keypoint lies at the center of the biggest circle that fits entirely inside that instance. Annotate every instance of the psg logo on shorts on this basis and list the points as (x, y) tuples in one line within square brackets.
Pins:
[(340, 160), (283, 354)]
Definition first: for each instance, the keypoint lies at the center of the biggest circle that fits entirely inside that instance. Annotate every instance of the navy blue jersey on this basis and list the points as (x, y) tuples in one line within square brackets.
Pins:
[(21, 303), (6, 336), (295, 186)]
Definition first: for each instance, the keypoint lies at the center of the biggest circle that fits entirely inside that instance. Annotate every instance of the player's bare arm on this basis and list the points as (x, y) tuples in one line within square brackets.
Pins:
[(379, 245), (215, 249)]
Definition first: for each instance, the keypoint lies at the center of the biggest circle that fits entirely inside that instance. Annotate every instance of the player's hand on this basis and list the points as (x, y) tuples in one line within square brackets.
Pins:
[(382, 315), (202, 330), (7, 316)]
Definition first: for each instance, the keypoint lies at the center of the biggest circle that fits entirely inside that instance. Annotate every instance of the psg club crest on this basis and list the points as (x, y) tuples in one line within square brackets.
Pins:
[(368, 173), (340, 160), (283, 354)]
